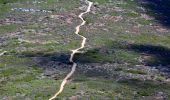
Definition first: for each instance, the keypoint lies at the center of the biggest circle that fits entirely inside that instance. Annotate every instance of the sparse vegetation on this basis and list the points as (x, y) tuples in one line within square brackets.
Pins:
[(126, 55)]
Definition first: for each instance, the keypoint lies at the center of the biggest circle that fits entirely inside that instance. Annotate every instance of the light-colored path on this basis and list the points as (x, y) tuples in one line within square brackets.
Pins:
[(74, 51), (3, 53)]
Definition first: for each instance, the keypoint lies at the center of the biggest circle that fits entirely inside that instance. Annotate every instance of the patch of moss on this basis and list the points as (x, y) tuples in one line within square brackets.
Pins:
[(115, 14), (95, 56), (109, 89), (126, 56), (144, 21), (100, 1), (4, 9), (8, 28), (132, 14), (60, 4), (130, 4), (89, 20), (10, 71), (33, 89), (145, 38)]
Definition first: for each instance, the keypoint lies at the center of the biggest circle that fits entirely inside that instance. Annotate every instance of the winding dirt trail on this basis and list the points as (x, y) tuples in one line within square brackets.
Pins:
[(74, 51)]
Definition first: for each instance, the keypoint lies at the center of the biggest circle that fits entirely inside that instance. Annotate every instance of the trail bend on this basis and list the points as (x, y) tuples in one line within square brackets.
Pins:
[(74, 51), (2, 53)]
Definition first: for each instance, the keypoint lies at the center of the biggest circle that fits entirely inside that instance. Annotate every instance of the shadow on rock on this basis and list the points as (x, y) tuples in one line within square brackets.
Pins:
[(162, 54), (160, 9), (152, 55), (94, 61)]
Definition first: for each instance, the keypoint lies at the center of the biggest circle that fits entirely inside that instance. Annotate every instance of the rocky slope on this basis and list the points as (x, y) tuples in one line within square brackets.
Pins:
[(127, 55)]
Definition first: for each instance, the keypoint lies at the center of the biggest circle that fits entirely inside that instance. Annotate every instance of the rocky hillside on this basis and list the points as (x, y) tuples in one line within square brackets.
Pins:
[(127, 55)]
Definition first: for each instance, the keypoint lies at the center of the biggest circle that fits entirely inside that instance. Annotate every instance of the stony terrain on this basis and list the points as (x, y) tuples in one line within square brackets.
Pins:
[(127, 55)]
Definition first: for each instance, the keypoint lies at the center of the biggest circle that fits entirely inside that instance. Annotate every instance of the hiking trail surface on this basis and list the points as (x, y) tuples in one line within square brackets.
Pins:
[(74, 51)]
